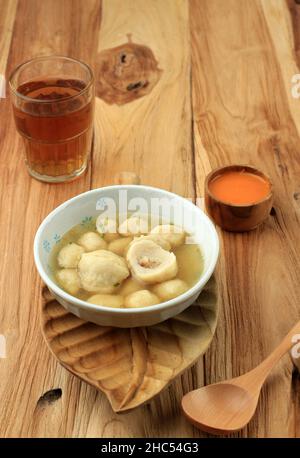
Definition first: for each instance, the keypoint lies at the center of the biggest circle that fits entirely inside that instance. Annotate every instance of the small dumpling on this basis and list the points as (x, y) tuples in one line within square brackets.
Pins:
[(175, 235), (91, 241), (157, 238), (69, 256), (107, 227), (107, 300), (169, 289), (69, 280), (102, 271), (135, 225), (120, 245), (130, 285), (142, 298)]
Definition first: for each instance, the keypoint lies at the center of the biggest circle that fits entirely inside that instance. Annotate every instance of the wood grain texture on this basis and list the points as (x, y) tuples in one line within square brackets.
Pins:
[(7, 18), (243, 113), (153, 130), (133, 137), (130, 366), (277, 16), (25, 202)]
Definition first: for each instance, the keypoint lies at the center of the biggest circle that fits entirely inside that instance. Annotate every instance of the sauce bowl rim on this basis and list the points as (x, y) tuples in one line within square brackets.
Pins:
[(219, 171)]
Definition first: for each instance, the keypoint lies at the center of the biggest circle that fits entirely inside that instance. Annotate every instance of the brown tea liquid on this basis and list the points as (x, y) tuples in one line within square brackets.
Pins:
[(57, 126)]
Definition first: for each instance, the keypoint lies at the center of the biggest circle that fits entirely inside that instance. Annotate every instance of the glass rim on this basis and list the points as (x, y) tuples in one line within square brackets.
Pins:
[(14, 90)]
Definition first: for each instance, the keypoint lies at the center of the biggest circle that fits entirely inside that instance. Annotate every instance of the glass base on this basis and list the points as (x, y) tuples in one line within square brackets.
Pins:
[(57, 179)]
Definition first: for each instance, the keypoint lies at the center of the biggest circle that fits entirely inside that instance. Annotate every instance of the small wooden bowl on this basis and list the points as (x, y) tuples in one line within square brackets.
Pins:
[(237, 217)]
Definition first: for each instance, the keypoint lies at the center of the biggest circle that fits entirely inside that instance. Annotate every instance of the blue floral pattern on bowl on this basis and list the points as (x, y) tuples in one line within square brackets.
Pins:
[(47, 246), (56, 238), (49, 243), (86, 220)]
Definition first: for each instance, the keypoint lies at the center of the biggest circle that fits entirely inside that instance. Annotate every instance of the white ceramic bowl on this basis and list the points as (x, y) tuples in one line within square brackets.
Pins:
[(80, 209)]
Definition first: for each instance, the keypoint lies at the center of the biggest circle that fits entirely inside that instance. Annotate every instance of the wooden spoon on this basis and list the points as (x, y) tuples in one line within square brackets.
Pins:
[(228, 406)]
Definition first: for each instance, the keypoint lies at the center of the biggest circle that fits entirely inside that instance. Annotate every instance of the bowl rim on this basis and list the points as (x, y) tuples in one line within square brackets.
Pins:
[(219, 171), (126, 311)]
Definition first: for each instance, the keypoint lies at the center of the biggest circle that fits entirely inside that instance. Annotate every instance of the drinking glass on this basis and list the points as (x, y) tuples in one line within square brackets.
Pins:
[(53, 106)]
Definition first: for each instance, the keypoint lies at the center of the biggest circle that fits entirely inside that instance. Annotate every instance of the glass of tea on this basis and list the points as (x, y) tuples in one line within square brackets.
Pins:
[(53, 105)]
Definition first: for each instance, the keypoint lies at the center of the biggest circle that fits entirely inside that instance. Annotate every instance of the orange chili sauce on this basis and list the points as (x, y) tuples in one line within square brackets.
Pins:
[(239, 187)]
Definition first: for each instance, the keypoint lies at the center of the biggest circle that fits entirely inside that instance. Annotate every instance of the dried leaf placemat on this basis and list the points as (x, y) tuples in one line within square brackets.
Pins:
[(130, 366)]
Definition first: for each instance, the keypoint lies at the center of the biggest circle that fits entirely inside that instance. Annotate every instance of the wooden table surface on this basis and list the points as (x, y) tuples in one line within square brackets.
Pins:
[(224, 96)]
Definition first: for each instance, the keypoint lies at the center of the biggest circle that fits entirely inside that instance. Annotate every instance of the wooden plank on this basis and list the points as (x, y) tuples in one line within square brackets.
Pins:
[(284, 15), (152, 137), (294, 11), (29, 369), (278, 17), (7, 18), (243, 113)]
